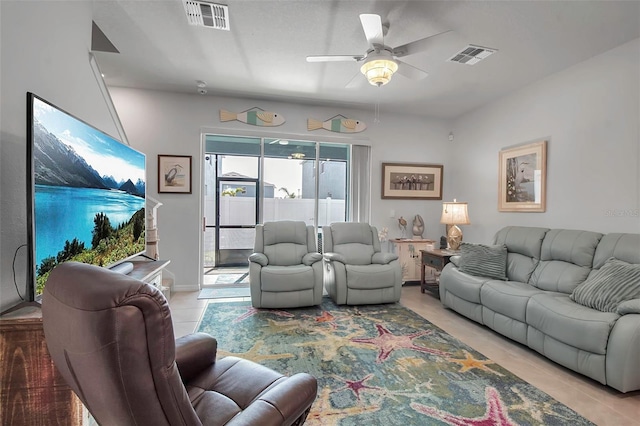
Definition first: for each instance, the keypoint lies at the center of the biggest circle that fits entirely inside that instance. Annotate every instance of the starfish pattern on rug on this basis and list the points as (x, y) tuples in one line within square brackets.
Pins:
[(323, 413), (330, 344), (387, 342), (254, 354), (251, 311), (470, 362), (495, 415), (356, 386), (535, 409)]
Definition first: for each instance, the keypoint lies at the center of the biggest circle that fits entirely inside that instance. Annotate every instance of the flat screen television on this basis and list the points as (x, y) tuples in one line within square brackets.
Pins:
[(85, 193)]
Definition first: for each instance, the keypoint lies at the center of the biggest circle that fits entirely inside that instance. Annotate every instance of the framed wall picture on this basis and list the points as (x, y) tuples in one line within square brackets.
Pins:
[(412, 181), (174, 174), (523, 178)]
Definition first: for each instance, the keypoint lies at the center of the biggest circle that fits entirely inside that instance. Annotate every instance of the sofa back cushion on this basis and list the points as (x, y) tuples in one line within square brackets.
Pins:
[(625, 247), (523, 250), (354, 241), (565, 260), (285, 242)]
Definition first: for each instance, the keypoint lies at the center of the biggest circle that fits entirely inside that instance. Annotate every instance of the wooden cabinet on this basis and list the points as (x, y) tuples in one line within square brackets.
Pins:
[(408, 252), (32, 392)]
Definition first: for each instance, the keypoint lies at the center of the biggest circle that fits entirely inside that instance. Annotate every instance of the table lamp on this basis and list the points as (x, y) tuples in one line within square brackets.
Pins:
[(453, 214)]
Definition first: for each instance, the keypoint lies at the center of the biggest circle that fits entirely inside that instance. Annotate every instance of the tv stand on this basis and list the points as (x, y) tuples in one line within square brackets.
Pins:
[(123, 268), (34, 304), (150, 271)]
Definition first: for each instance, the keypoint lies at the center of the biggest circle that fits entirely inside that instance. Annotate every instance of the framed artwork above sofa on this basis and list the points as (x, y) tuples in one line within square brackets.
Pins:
[(523, 177)]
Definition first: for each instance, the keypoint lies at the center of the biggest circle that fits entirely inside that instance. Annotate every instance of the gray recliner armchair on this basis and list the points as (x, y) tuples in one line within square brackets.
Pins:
[(356, 271), (285, 270)]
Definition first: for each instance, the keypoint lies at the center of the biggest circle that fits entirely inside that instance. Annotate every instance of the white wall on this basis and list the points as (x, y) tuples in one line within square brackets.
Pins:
[(170, 123), (590, 115), (45, 50)]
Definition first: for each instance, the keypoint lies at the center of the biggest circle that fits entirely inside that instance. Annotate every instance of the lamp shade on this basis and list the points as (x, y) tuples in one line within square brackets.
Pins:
[(379, 68), (454, 213)]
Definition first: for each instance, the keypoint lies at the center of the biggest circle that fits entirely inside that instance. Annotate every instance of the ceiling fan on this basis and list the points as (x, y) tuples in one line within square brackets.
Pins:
[(381, 61)]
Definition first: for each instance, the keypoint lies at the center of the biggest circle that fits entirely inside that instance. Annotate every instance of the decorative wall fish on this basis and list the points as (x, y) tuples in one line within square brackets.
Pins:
[(254, 116), (338, 123)]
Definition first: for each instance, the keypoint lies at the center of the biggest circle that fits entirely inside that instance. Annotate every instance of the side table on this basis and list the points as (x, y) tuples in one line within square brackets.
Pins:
[(436, 259)]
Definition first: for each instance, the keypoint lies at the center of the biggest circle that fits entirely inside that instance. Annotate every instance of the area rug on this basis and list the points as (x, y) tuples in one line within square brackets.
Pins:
[(232, 278), (224, 292), (381, 365)]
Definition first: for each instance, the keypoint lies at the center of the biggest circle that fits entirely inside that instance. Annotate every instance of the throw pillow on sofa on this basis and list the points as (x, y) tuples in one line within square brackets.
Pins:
[(614, 283), (483, 260)]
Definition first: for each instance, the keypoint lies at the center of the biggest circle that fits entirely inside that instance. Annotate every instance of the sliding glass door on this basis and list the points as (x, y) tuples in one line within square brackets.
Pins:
[(257, 180)]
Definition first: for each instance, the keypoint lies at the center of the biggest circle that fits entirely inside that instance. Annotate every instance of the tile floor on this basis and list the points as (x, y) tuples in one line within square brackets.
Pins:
[(600, 404)]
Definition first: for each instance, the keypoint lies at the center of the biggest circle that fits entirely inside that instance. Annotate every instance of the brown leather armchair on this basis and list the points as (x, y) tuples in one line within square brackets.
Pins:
[(112, 339)]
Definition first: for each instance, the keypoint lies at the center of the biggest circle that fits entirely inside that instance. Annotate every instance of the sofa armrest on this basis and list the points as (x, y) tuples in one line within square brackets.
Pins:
[(331, 257), (383, 258), (194, 353), (455, 260), (629, 307), (259, 258), (311, 258)]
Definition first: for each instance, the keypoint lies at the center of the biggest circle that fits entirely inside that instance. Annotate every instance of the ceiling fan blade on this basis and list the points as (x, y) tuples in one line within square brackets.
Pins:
[(417, 46), (410, 71), (335, 58), (372, 26)]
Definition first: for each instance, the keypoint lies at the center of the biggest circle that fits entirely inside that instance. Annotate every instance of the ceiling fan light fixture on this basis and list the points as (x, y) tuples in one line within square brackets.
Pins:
[(379, 70)]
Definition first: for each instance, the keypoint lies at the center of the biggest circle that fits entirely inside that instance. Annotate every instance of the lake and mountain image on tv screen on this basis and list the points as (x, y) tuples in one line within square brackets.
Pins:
[(88, 195)]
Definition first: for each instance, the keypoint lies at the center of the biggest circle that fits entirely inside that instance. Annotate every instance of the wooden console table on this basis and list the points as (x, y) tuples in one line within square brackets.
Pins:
[(436, 259)]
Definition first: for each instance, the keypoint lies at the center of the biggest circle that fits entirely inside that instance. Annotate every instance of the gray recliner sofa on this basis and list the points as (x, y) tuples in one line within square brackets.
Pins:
[(533, 306)]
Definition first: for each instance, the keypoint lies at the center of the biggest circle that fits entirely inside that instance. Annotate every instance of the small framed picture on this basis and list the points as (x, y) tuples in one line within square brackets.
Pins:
[(174, 174), (412, 181), (523, 178)]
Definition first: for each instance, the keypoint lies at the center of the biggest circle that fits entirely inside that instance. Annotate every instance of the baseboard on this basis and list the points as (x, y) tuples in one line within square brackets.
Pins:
[(176, 288)]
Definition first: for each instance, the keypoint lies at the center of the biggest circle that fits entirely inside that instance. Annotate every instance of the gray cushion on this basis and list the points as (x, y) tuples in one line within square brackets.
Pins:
[(624, 247), (629, 307), (352, 232), (369, 277), (285, 254), (604, 290), (523, 250), (484, 261), (508, 298), (522, 239), (355, 253), (286, 278), (573, 246), (557, 316), (565, 260), (285, 231)]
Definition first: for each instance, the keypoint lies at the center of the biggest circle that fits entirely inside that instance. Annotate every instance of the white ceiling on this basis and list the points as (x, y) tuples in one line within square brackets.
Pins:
[(264, 54)]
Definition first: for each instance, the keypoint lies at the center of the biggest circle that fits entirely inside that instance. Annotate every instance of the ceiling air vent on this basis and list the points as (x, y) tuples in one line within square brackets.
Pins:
[(471, 54), (210, 15)]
